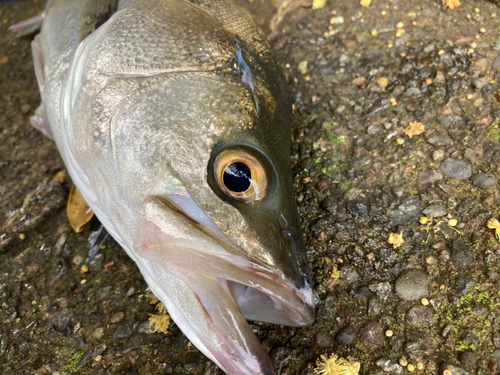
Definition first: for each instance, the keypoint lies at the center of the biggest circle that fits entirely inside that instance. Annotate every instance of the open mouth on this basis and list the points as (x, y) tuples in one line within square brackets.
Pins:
[(210, 286)]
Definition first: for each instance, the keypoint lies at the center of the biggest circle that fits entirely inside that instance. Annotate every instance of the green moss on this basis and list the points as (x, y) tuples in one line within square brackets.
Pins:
[(494, 133), (71, 364)]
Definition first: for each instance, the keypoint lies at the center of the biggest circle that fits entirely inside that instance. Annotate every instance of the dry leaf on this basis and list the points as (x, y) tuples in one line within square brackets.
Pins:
[(451, 4), (414, 128), (60, 177), (396, 239), (79, 213)]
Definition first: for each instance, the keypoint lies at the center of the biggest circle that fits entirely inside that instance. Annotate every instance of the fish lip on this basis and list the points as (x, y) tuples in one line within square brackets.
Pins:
[(299, 315)]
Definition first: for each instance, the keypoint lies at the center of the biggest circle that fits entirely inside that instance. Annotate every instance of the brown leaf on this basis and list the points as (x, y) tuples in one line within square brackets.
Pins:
[(79, 213)]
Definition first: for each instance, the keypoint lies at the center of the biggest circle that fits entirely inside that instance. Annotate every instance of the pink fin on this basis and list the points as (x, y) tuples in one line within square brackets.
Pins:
[(40, 121), (27, 26)]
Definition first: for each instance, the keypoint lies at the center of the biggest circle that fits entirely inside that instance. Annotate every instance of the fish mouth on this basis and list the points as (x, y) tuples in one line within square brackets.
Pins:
[(210, 286)]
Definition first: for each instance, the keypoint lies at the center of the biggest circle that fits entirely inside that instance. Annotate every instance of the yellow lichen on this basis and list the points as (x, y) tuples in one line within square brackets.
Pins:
[(365, 3), (396, 239), (161, 321), (451, 4), (336, 366), (335, 273), (494, 224), (318, 4), (414, 128)]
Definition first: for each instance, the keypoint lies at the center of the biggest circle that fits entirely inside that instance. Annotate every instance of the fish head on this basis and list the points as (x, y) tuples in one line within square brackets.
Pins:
[(188, 134)]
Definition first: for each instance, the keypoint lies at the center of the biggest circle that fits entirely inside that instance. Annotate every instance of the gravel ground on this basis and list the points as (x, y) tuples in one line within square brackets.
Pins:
[(359, 77)]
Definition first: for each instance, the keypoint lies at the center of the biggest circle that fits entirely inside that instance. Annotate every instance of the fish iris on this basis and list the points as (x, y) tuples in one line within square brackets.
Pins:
[(237, 177)]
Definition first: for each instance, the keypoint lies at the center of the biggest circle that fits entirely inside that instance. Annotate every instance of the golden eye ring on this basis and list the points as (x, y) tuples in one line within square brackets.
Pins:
[(240, 175)]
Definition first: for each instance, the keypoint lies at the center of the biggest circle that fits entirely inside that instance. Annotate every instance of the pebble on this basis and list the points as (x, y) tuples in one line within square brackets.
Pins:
[(454, 168), (135, 342), (461, 254), (25, 108), (413, 349), (124, 330), (413, 91), (469, 358), (428, 177), (374, 307), (323, 340), (357, 208), (371, 334), (484, 180), (435, 210), (440, 140), (469, 207), (389, 365), (407, 212), (495, 356), (465, 285), (98, 333), (58, 247), (346, 335), (453, 370), (411, 285), (117, 317), (419, 315), (383, 290), (438, 155)]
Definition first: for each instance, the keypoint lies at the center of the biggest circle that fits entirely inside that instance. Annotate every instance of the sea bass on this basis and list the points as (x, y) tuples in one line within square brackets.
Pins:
[(173, 120)]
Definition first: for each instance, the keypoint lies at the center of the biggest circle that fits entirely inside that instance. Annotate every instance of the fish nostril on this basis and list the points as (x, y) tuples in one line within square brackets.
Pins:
[(286, 234)]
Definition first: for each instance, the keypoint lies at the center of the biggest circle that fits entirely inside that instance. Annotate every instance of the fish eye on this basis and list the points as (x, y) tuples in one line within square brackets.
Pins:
[(240, 175)]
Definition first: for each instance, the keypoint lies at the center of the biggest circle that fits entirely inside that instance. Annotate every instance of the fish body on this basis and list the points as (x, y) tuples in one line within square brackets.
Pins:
[(173, 120)]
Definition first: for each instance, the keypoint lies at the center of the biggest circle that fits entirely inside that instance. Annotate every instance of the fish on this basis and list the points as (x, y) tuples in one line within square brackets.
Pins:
[(173, 119)]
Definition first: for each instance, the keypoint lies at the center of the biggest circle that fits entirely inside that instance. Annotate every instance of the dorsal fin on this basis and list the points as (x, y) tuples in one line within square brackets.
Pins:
[(93, 14)]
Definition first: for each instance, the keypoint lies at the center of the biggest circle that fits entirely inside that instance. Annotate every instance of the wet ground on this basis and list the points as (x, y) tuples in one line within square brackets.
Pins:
[(359, 77)]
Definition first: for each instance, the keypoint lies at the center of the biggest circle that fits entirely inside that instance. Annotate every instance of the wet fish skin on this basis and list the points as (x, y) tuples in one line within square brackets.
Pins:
[(140, 110)]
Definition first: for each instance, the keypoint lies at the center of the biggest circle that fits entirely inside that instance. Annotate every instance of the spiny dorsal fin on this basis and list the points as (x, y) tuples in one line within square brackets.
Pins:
[(93, 14)]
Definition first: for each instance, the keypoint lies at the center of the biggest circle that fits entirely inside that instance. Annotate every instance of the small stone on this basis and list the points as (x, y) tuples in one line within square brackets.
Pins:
[(461, 254), (413, 91), (495, 356), (428, 177), (452, 370), (419, 315), (25, 108), (454, 168), (411, 285), (374, 307), (117, 317), (124, 330), (407, 212), (390, 366), (323, 339), (135, 342), (481, 82), (484, 180), (431, 260), (465, 285), (438, 155), (371, 334), (98, 333), (403, 362), (413, 349), (383, 290), (346, 336), (435, 210)]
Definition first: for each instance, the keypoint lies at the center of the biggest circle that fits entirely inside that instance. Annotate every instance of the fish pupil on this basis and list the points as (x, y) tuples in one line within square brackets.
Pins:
[(237, 177)]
